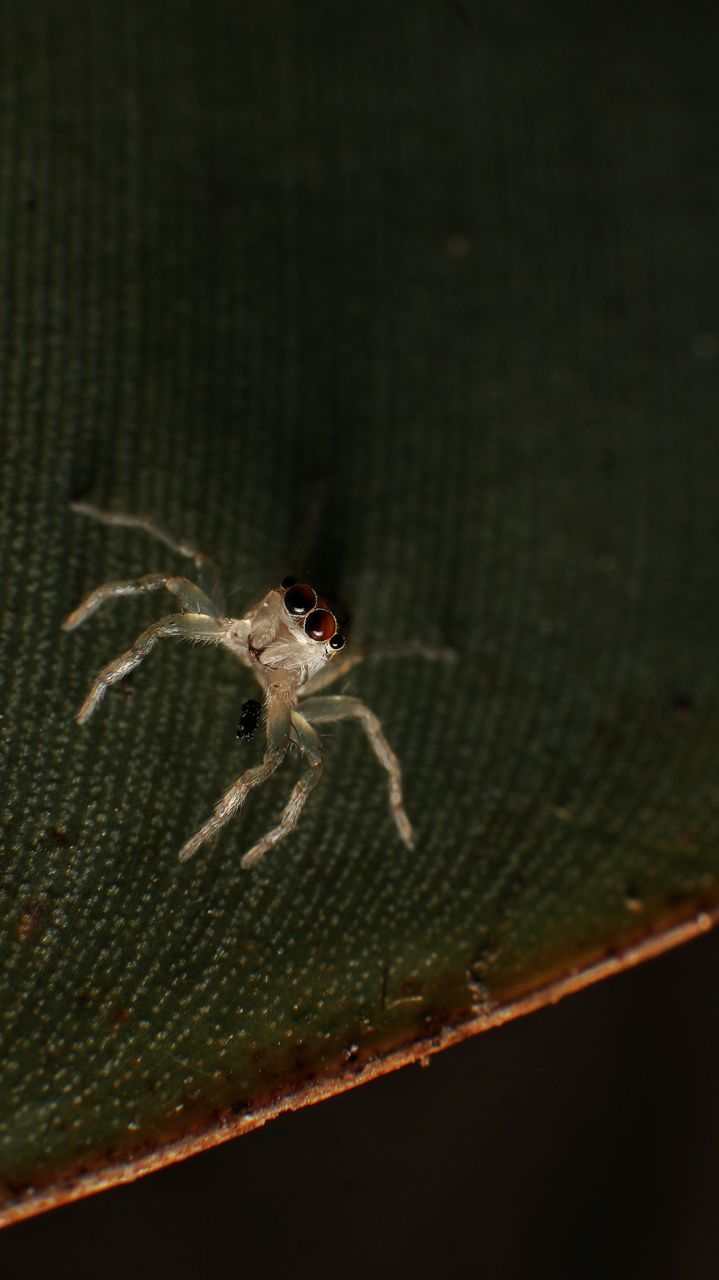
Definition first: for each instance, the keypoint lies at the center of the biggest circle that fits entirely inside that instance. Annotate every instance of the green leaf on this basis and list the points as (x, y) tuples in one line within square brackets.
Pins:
[(411, 299)]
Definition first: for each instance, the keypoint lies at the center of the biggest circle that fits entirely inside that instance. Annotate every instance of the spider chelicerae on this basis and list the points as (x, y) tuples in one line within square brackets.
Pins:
[(293, 645)]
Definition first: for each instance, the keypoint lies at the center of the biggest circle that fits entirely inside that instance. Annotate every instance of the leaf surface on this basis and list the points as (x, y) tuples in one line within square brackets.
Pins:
[(412, 300)]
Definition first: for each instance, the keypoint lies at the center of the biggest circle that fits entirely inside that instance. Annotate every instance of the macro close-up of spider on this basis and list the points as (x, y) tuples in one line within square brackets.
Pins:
[(292, 643)]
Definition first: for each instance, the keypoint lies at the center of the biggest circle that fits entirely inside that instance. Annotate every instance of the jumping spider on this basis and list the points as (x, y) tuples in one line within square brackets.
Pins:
[(288, 639)]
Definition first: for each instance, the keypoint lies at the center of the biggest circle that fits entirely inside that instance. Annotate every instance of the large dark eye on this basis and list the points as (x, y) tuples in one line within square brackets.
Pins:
[(300, 599), (320, 625)]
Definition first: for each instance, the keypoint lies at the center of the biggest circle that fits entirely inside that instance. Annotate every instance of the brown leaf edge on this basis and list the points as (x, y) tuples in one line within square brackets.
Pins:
[(306, 1093)]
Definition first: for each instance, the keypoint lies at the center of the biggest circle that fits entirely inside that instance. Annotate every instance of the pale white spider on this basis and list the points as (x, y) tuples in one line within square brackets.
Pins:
[(288, 640)]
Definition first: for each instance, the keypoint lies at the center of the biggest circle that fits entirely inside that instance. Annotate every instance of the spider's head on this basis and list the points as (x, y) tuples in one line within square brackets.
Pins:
[(295, 631), (311, 623)]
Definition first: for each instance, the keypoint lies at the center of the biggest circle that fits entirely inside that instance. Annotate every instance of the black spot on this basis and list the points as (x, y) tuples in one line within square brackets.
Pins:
[(249, 717)]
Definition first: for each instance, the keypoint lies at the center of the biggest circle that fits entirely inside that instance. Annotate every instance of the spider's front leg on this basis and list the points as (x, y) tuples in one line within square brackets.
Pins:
[(360, 653), (324, 710), (279, 728), (190, 596), (186, 625), (206, 569), (117, 519)]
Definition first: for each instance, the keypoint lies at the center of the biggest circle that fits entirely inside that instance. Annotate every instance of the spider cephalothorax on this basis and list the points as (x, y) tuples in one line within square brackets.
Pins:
[(291, 641), (292, 630)]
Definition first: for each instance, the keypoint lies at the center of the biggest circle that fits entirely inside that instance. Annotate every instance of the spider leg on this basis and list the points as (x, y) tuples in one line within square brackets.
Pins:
[(279, 726), (340, 666), (334, 670), (187, 625), (313, 753), (139, 522), (322, 710), (204, 564), (189, 595)]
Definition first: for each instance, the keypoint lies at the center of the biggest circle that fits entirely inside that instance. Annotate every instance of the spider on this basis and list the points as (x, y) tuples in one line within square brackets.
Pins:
[(293, 645)]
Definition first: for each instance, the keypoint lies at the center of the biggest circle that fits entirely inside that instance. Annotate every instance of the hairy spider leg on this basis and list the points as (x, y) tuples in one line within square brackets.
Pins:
[(189, 626), (190, 596), (206, 569), (279, 728), (323, 710), (138, 522), (334, 670), (313, 753)]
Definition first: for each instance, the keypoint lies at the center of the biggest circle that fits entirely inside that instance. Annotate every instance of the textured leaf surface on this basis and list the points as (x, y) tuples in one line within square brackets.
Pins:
[(418, 296)]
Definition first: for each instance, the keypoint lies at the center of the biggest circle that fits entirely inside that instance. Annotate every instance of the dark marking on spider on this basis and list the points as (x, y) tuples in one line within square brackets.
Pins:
[(249, 719)]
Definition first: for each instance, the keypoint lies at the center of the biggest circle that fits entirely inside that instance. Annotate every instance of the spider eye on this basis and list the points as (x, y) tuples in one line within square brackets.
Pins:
[(337, 641), (320, 625), (287, 582), (300, 599)]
